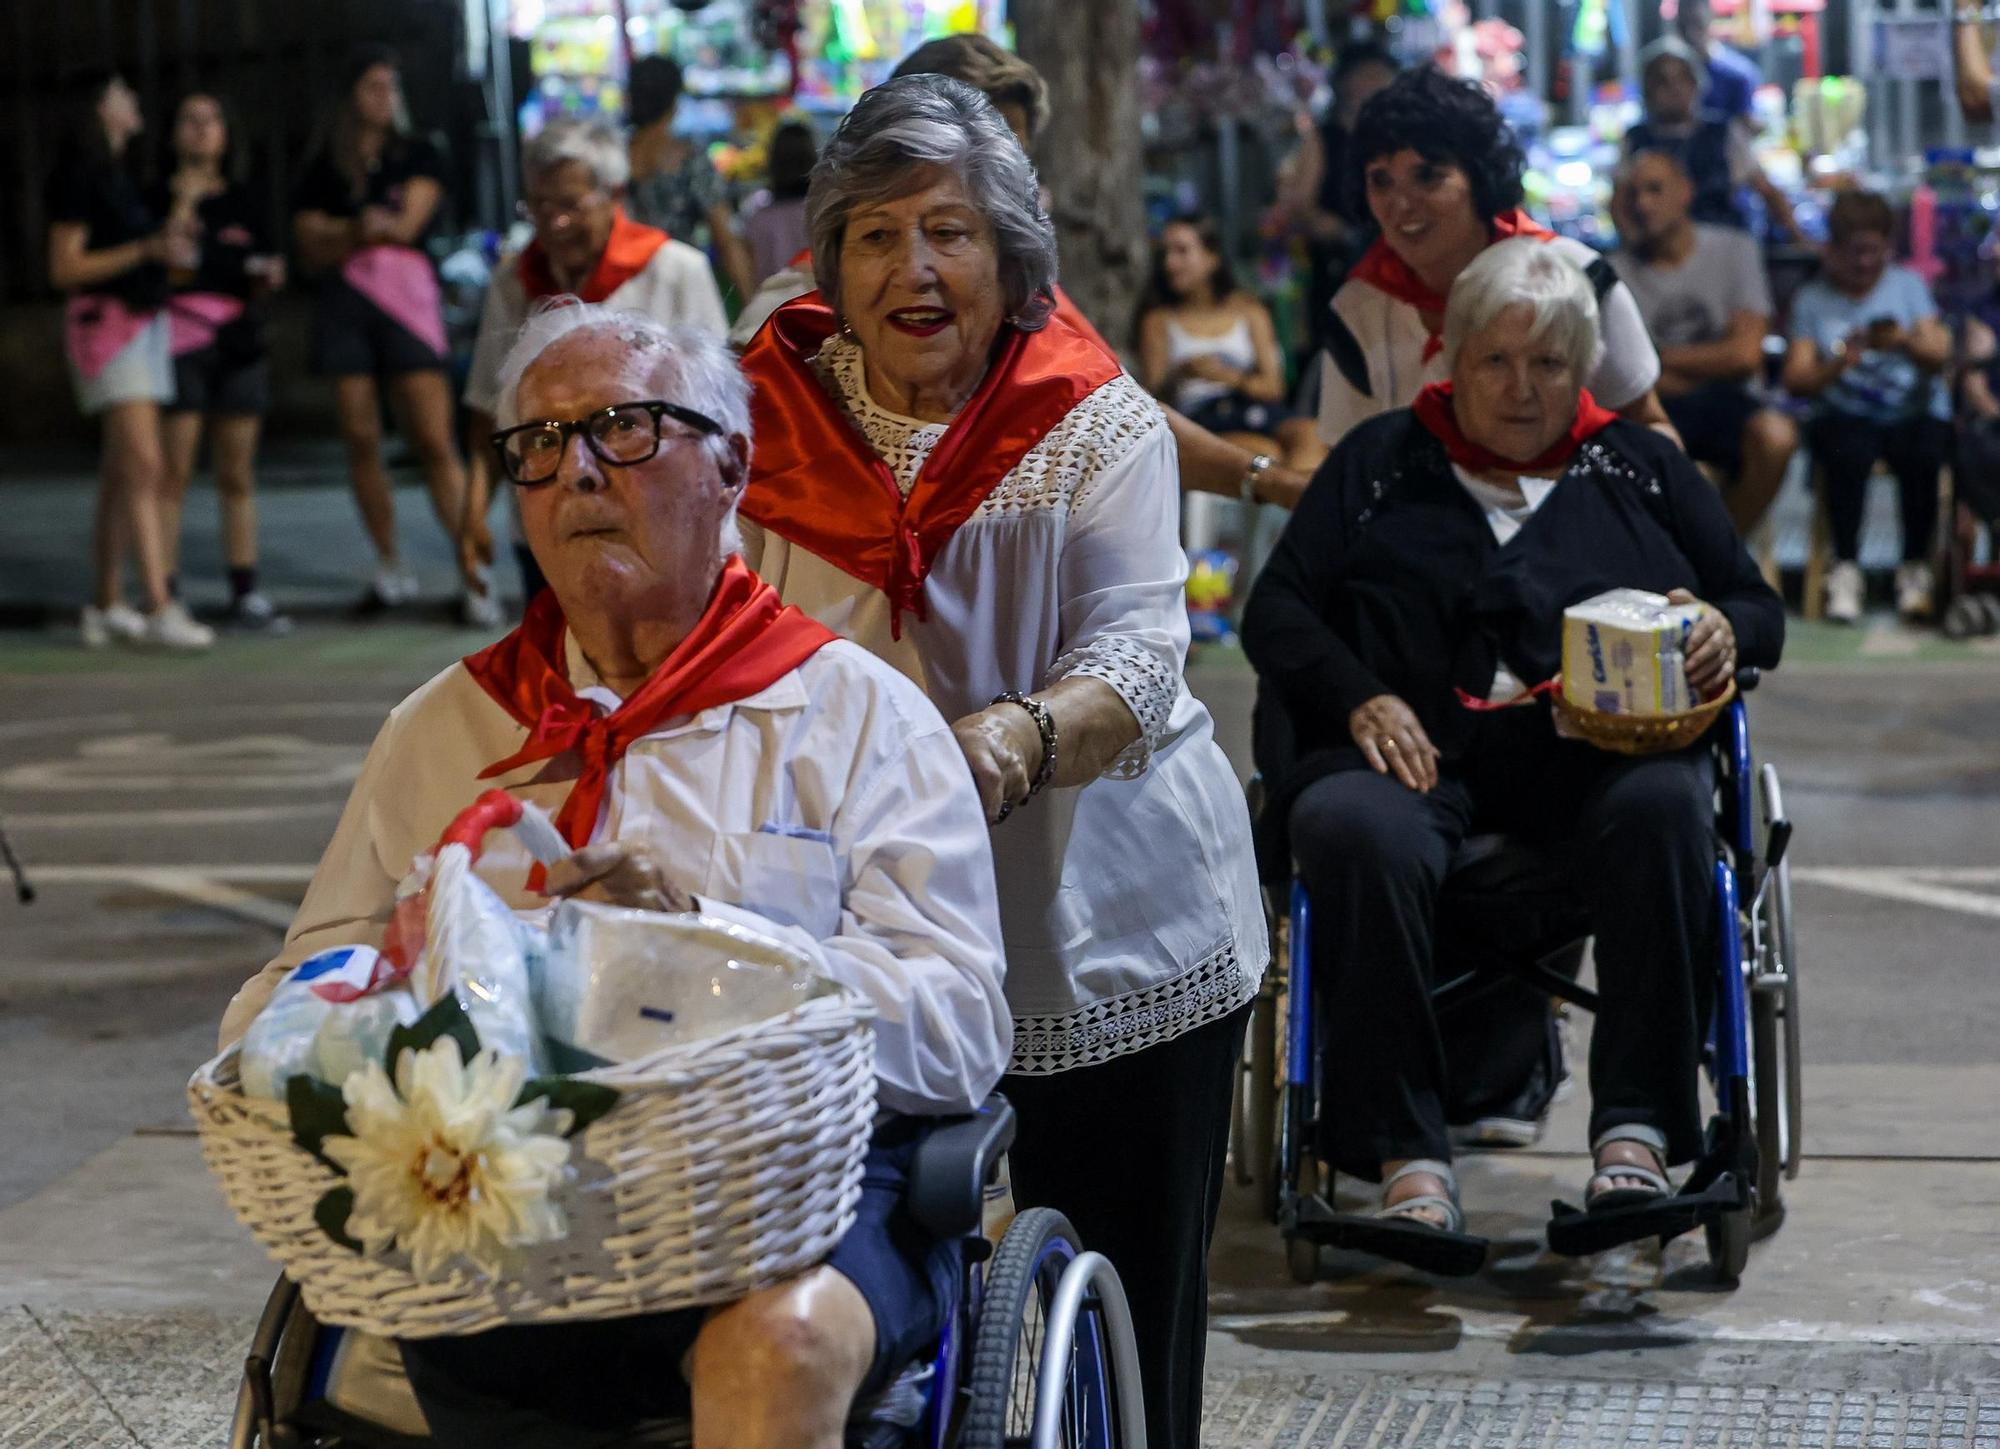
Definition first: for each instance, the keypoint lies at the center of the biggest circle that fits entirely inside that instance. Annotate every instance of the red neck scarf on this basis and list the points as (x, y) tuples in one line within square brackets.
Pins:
[(1434, 411), (746, 640), (1382, 269), (1066, 311), (629, 248), (815, 481)]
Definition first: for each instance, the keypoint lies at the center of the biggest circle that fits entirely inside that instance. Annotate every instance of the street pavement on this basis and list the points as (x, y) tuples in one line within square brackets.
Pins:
[(170, 810)]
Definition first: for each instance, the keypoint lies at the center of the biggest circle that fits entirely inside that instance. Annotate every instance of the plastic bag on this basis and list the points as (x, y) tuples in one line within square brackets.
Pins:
[(620, 984), (335, 1010)]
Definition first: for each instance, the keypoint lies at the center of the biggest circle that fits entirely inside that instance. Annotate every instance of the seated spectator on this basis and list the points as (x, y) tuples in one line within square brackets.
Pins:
[(703, 744), (1868, 349), (776, 231), (573, 176), (1704, 296), (1431, 560), (1714, 152), (1207, 348), (1977, 408)]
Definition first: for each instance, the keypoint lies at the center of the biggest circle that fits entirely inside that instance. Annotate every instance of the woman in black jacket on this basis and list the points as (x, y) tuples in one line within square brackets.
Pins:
[(1413, 603)]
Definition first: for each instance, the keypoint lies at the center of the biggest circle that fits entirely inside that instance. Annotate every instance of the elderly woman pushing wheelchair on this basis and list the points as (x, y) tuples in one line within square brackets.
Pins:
[(1412, 604)]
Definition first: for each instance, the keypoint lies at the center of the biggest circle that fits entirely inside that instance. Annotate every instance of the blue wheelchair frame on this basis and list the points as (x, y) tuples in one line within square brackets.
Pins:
[(1721, 1193)]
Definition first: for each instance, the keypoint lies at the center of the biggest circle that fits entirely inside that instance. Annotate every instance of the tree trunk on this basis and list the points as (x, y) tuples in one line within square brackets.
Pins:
[(1089, 153)]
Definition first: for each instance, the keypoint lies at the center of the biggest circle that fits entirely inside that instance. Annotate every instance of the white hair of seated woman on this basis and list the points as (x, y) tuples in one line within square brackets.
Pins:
[(1526, 272)]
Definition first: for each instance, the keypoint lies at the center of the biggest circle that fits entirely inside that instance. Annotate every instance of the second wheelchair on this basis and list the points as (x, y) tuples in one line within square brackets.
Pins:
[(1512, 930)]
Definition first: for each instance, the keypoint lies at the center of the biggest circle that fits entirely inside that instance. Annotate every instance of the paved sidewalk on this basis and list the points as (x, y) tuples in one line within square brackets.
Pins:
[(173, 807)]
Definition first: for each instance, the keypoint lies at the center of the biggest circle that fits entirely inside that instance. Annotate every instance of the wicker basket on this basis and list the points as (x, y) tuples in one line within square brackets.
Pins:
[(727, 1164), (1641, 734)]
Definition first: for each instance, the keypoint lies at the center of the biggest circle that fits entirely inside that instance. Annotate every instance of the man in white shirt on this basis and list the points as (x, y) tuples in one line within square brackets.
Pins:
[(573, 174), (1704, 296), (706, 748)]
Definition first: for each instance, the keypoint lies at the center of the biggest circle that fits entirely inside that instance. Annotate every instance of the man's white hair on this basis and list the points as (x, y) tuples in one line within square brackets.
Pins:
[(670, 361), (1524, 272), (595, 145)]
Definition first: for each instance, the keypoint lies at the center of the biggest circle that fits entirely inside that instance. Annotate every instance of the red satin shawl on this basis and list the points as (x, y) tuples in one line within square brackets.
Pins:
[(1066, 311), (1382, 269), (816, 482), (1433, 409), (629, 248), (745, 641)]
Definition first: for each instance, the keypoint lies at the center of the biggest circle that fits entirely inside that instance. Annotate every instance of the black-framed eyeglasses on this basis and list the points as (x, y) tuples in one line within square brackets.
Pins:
[(620, 435)]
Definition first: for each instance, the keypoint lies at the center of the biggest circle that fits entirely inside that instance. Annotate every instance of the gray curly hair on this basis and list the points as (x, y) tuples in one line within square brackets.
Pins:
[(879, 153)]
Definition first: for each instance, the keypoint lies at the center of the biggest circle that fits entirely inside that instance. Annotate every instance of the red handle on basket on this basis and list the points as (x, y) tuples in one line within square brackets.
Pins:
[(494, 810)]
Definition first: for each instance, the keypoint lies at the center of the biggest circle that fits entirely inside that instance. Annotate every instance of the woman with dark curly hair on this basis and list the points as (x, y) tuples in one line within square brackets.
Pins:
[(1441, 174)]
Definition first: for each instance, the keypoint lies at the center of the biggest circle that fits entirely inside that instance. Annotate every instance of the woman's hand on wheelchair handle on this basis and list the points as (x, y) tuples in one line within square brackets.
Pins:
[(1394, 743), (1711, 648), (617, 874)]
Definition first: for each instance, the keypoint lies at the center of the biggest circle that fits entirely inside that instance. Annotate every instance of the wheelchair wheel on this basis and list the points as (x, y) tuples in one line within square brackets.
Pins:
[(1257, 1101), (1729, 1244), (1766, 1093), (1028, 1302), (1781, 962)]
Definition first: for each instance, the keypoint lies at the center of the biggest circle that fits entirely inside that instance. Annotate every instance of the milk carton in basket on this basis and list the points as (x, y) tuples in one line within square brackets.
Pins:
[(1625, 653)]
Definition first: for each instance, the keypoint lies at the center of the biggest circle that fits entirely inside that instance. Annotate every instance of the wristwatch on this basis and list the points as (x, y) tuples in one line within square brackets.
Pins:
[(1260, 464)]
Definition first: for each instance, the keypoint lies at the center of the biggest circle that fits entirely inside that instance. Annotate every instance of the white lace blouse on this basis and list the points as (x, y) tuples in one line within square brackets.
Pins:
[(1129, 905)]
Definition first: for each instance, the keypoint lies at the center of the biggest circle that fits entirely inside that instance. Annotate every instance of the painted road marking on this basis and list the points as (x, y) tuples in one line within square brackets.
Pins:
[(156, 761), (214, 886), (141, 819), (1938, 888)]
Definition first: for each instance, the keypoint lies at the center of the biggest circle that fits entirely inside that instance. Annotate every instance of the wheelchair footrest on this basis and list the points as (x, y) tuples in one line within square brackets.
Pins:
[(1431, 1250), (1575, 1233)]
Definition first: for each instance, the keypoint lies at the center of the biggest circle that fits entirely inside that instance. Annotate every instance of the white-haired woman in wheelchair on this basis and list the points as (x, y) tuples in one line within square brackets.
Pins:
[(1413, 602), (720, 752)]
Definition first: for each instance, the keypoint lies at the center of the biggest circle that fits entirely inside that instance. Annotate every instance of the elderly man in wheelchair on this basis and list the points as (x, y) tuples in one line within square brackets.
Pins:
[(732, 754), (1400, 629)]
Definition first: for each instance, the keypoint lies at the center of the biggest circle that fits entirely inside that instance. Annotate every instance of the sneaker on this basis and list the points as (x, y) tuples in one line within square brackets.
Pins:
[(481, 611), (256, 614), (175, 628), (1845, 589), (393, 586), (1498, 1132), (119, 624), (1914, 591)]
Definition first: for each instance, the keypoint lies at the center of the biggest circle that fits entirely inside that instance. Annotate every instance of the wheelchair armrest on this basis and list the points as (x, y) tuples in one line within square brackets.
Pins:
[(1747, 678), (954, 1163)]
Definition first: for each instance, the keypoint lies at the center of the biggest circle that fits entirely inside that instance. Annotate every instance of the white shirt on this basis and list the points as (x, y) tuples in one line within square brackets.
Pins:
[(1505, 517), (834, 806), (1129, 906), (1390, 341), (675, 286), (771, 294)]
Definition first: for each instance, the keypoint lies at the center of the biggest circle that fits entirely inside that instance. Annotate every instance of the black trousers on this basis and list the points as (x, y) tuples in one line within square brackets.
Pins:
[(1638, 835), (1847, 449), (1131, 1152)]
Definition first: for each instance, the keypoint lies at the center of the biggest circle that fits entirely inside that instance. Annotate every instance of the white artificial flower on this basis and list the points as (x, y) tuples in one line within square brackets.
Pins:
[(443, 1164)]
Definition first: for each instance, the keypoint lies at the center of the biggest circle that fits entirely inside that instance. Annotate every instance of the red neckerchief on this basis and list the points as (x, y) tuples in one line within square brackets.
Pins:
[(1383, 270), (746, 640), (629, 248), (1066, 311), (1433, 410), (816, 482)]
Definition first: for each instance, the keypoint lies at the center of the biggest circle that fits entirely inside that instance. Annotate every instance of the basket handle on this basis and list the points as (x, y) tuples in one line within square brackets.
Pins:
[(493, 810)]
